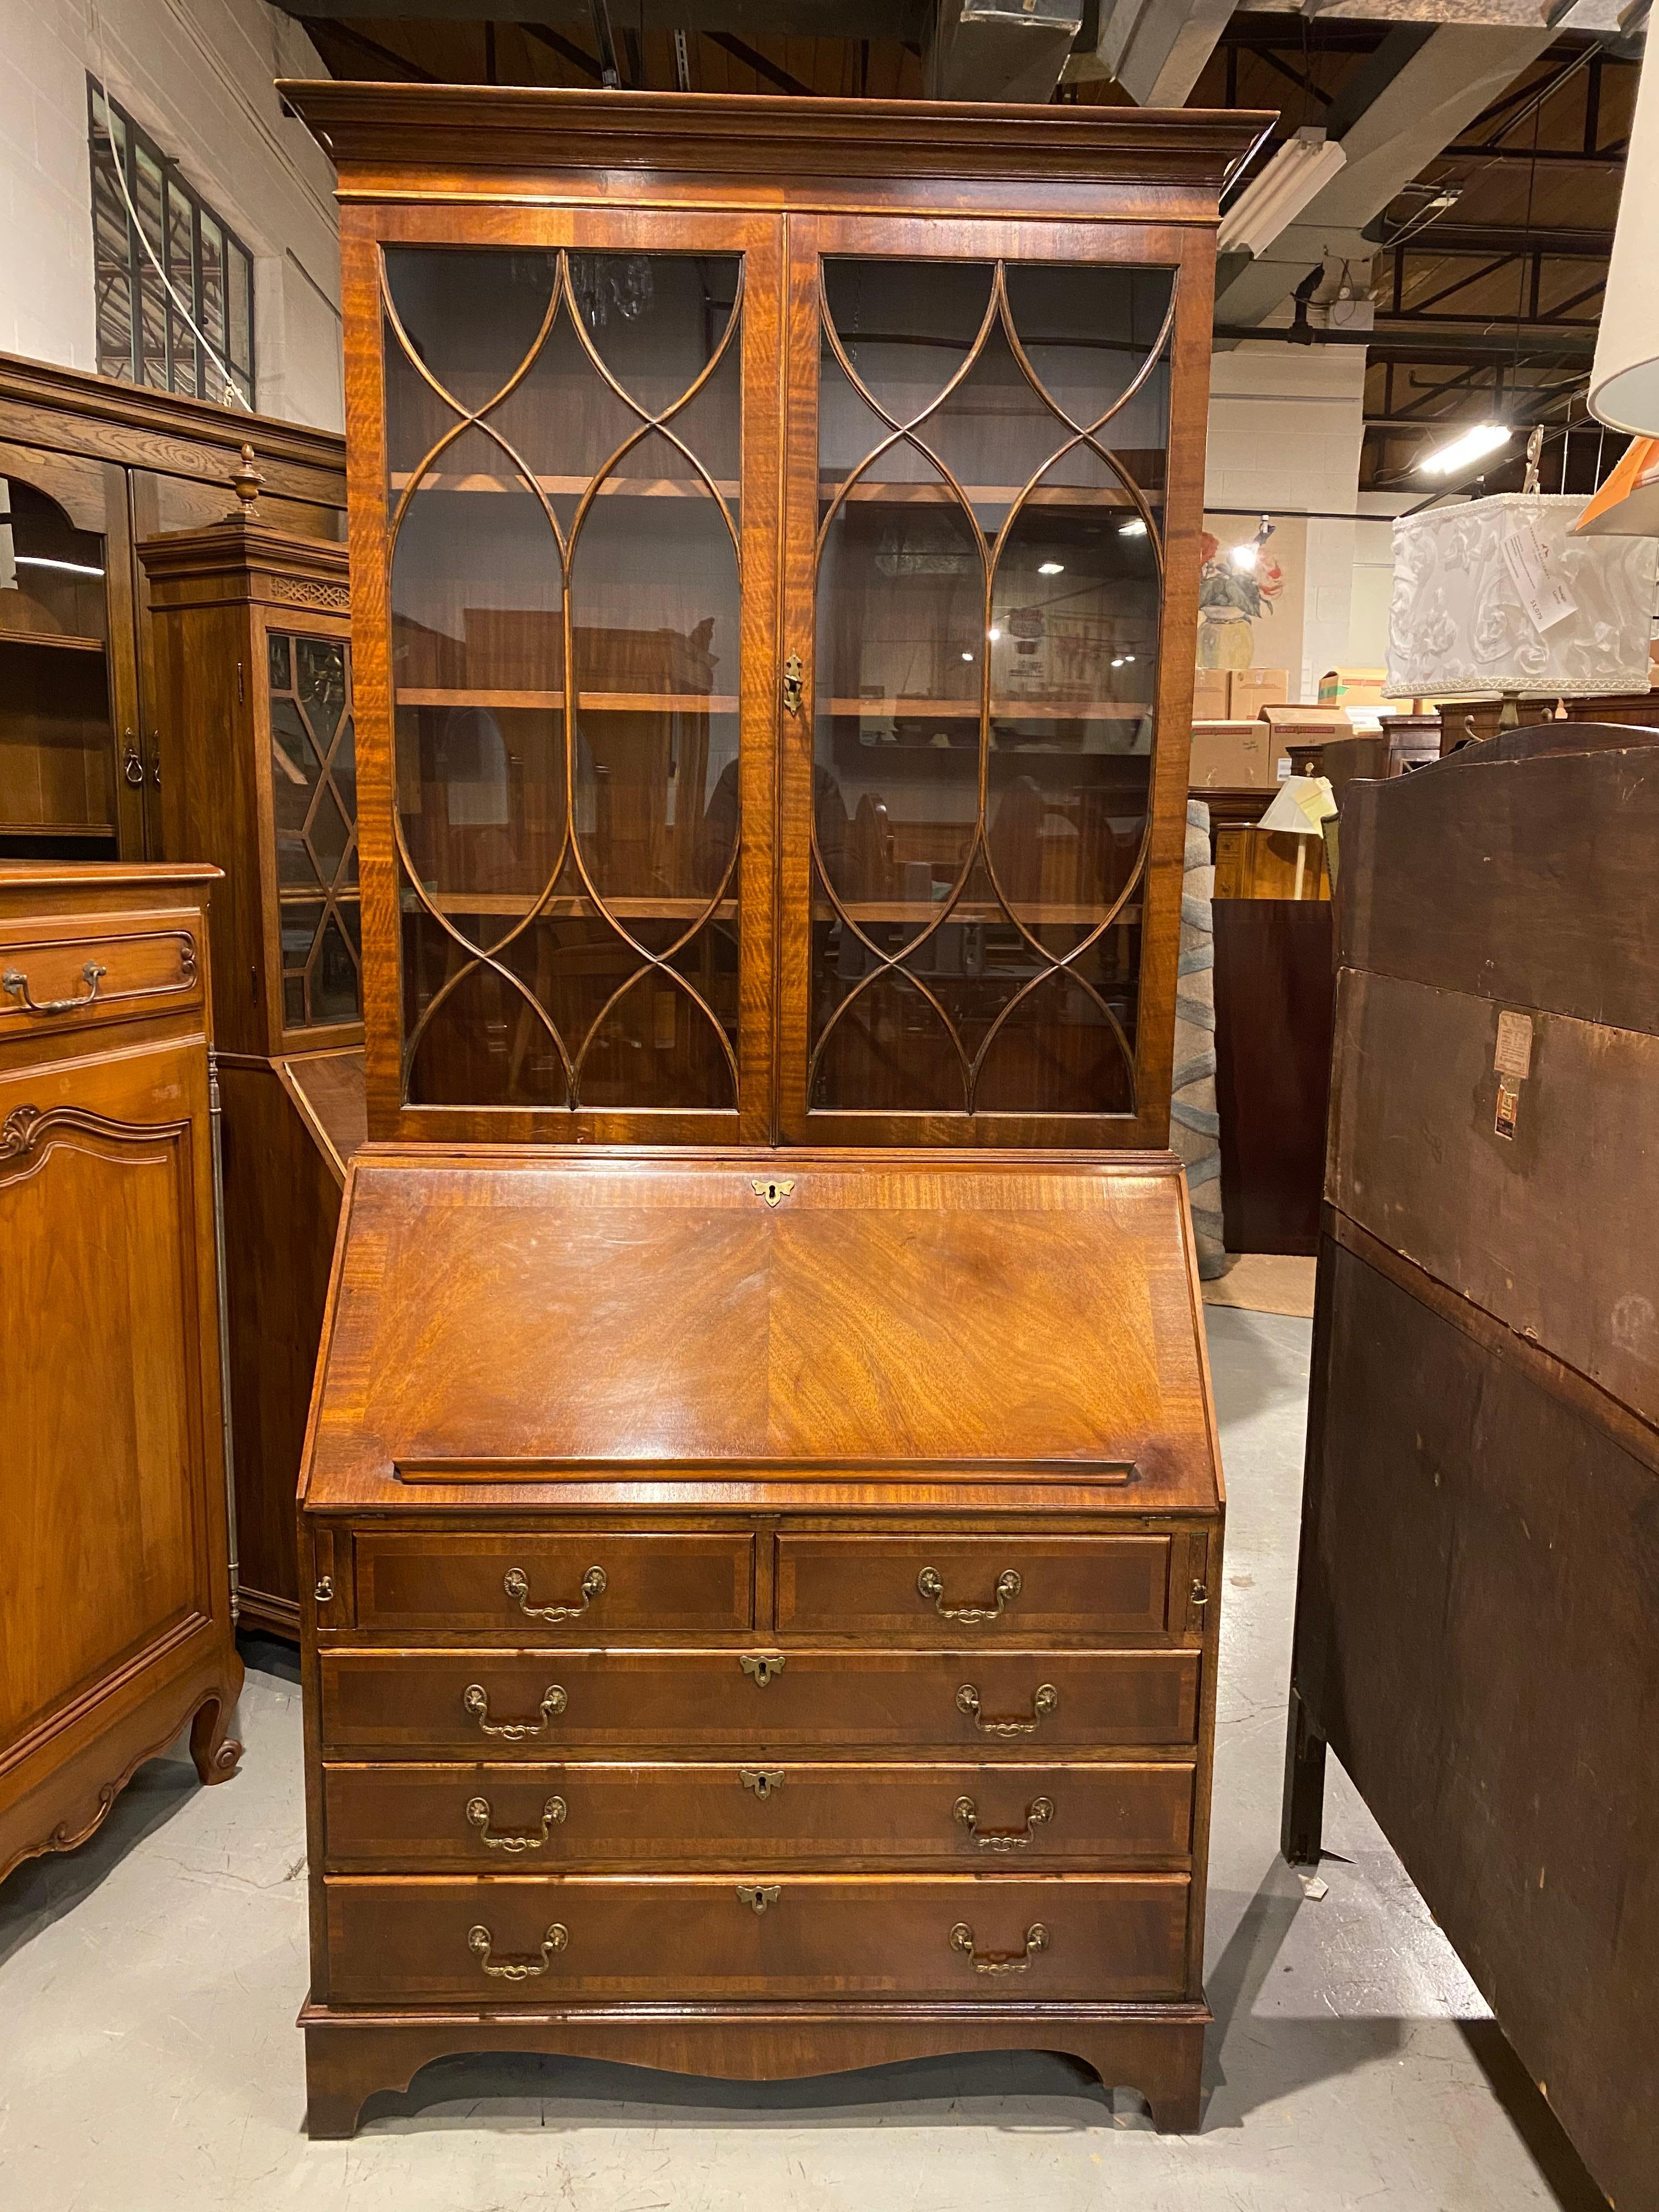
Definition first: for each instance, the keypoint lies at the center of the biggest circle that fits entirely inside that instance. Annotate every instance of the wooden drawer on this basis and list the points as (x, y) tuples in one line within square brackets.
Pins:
[(540, 1583), (699, 1701), (1009, 1588), (1100, 1938), (59, 974), (513, 1819)]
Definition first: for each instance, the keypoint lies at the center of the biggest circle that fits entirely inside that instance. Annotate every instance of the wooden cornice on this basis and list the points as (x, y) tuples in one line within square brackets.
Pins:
[(383, 129)]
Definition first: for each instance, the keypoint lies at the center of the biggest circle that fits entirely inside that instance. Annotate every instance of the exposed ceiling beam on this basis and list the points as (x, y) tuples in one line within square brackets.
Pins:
[(751, 57), (1421, 88), (371, 49), (567, 49), (1477, 238), (750, 18), (1438, 345)]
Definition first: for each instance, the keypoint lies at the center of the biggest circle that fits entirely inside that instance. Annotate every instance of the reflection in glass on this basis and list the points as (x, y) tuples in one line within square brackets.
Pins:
[(56, 736), (565, 615), (313, 804), (989, 592)]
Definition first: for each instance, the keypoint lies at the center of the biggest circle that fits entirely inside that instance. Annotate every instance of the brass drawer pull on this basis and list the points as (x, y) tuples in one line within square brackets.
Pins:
[(1046, 1700), (758, 1896), (476, 1698), (1000, 1962), (929, 1583), (516, 1584), (761, 1666), (17, 983), (479, 1941), (1039, 1811), (514, 1839), (764, 1781)]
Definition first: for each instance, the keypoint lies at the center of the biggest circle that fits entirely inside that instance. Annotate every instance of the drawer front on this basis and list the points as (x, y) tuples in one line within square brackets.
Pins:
[(61, 975), (494, 1818), (538, 1940), (988, 1588), (558, 1584), (534, 1704)]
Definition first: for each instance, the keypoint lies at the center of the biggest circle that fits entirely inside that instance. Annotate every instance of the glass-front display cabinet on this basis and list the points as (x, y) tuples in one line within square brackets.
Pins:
[(259, 728), (775, 617)]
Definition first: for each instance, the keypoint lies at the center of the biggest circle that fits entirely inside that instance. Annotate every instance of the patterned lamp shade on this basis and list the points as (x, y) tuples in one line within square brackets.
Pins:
[(1497, 596)]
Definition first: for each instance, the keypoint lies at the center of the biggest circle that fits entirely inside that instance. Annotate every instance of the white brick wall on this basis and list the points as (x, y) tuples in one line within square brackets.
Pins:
[(1285, 423), (197, 76)]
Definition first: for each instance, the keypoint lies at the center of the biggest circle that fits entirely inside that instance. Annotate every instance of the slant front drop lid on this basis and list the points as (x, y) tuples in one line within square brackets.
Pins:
[(668, 1525)]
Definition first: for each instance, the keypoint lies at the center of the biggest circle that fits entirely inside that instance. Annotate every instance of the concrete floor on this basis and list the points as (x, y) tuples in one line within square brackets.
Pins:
[(148, 1984)]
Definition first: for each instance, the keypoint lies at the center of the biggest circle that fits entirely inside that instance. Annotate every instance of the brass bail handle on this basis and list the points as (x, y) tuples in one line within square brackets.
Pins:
[(1000, 1962), (475, 1702), (516, 1584), (17, 984), (1038, 1814), (513, 1840), (481, 1942), (1045, 1700), (930, 1584)]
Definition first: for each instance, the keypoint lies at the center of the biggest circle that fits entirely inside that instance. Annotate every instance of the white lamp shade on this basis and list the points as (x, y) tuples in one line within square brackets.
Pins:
[(1624, 387), (1458, 628)]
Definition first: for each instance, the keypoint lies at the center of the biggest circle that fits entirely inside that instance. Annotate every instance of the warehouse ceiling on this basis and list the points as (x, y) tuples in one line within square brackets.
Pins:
[(1469, 225)]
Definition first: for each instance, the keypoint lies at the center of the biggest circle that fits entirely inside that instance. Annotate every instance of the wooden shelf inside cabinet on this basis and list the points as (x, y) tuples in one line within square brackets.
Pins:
[(56, 640), (567, 908), (877, 492), (587, 702), (478, 480), (1034, 917), (58, 829), (967, 710)]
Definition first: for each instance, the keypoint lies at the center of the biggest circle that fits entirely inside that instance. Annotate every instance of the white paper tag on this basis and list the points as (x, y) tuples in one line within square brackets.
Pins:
[(1543, 590), (1512, 1055), (1282, 769)]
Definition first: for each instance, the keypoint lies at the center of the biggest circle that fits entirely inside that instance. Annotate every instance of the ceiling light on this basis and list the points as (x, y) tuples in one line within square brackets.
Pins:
[(1051, 567), (1118, 663), (993, 635), (1243, 556), (1273, 198), (69, 567), (1136, 529), (1485, 438), (966, 656)]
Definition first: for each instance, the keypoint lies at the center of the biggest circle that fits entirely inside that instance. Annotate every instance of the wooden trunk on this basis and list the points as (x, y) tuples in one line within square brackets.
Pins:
[(759, 1615), (114, 1569), (1476, 1628)]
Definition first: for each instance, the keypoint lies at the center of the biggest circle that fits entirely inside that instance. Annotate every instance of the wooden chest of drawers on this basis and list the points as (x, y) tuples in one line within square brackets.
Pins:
[(758, 1616)]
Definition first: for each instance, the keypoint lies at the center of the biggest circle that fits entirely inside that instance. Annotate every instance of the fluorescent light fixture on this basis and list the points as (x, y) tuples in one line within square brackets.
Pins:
[(69, 567), (1051, 567), (1243, 556), (1472, 445), (1274, 199), (1135, 529)]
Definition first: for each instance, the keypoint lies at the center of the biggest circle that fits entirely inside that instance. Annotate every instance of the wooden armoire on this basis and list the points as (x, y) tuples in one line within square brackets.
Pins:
[(761, 1515)]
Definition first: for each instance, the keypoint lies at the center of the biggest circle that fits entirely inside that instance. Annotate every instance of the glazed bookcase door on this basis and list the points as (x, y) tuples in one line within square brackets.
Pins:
[(569, 730), (311, 792), (985, 782)]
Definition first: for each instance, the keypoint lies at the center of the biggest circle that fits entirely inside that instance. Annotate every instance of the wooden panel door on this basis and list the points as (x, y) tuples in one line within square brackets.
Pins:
[(995, 452), (111, 1509), (563, 561)]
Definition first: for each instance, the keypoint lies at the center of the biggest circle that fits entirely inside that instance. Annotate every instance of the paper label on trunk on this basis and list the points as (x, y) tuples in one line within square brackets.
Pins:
[(1513, 1055), (1543, 589)]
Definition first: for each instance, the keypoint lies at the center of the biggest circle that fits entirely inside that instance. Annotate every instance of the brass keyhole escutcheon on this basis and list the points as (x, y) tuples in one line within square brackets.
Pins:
[(758, 1896), (764, 1781), (792, 673), (761, 1666), (773, 1188)]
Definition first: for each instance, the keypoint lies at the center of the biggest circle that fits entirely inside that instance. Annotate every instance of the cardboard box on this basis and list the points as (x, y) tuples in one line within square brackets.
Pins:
[(1344, 687), (1212, 696), (1256, 688), (1287, 726), (1230, 757)]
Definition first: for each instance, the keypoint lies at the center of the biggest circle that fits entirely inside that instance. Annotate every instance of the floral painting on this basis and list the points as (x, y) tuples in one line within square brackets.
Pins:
[(1241, 581)]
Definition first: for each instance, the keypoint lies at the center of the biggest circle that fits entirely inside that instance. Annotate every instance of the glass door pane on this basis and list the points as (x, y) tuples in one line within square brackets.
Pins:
[(313, 792), (563, 439), (988, 582), (57, 739)]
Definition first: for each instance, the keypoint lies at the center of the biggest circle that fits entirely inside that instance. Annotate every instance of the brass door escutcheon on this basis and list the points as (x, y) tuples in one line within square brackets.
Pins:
[(516, 1584), (761, 1666), (758, 1896), (1039, 1811), (929, 1584), (513, 1840), (773, 1188), (17, 983), (475, 1699), (480, 1942), (1000, 1962), (324, 1589), (764, 1781), (792, 683), (1201, 1595), (1045, 1700)]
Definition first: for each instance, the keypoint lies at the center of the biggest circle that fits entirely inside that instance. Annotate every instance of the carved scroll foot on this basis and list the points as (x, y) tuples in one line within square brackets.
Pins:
[(212, 1747)]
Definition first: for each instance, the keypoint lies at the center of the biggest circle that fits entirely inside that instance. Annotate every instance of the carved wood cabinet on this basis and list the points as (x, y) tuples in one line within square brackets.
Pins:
[(774, 535), (254, 704), (759, 1615), (114, 1567)]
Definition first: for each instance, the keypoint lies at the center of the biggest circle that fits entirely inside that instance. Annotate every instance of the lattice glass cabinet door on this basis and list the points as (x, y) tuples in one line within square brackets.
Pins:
[(984, 573), (314, 805), (565, 442)]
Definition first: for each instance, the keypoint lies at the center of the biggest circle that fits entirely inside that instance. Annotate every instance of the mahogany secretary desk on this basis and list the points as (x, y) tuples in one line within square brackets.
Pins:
[(756, 1602)]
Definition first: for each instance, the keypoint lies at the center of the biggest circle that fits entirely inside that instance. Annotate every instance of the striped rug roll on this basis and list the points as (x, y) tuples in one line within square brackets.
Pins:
[(1194, 1126)]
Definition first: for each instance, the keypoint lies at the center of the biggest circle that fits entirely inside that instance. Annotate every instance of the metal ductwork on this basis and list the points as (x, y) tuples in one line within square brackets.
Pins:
[(1000, 49)]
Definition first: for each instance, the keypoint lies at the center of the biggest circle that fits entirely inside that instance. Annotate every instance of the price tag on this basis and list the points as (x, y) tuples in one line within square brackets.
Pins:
[(1543, 589)]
